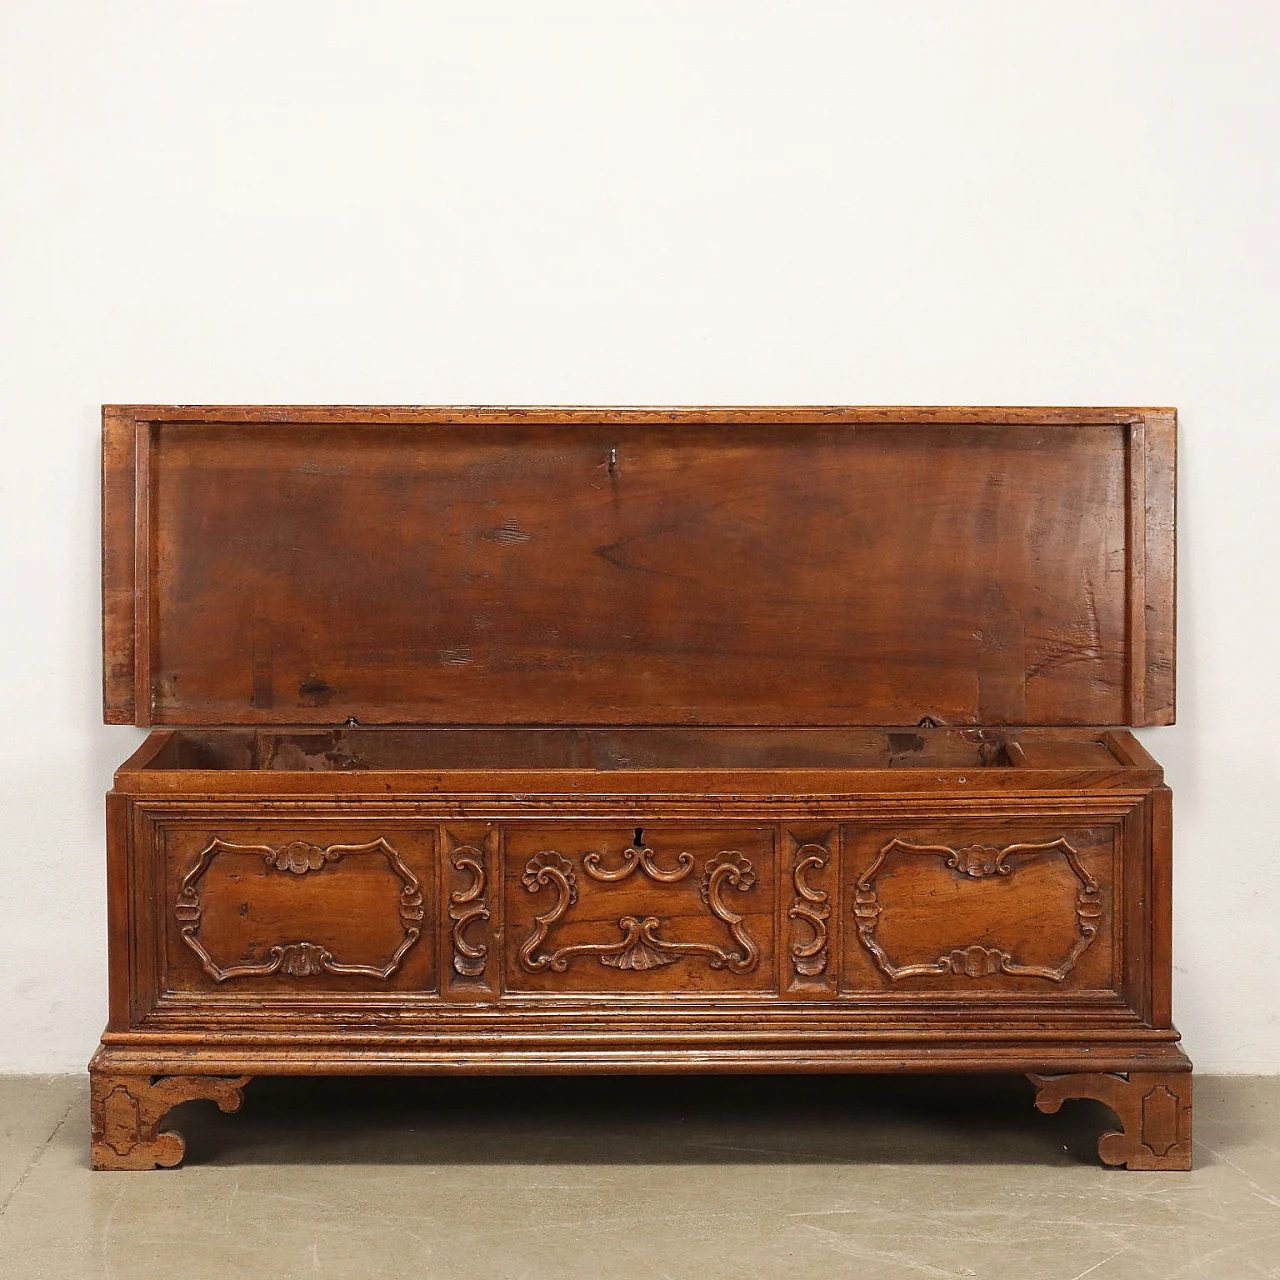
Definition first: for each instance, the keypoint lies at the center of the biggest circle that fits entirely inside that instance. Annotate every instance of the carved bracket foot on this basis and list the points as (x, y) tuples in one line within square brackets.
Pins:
[(1154, 1109), (126, 1111)]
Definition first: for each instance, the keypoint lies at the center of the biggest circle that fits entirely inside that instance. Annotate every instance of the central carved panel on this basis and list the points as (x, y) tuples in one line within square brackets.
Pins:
[(667, 909)]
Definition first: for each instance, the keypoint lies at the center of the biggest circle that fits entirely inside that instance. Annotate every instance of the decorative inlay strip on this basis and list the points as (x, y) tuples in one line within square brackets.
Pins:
[(640, 947), (301, 958), (977, 862), (466, 905), (810, 905)]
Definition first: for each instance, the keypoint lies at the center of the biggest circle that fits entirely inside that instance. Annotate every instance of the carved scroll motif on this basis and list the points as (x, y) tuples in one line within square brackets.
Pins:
[(809, 957), (640, 947), (638, 856), (468, 905), (298, 958), (977, 862), (547, 867), (127, 1111), (1154, 1109)]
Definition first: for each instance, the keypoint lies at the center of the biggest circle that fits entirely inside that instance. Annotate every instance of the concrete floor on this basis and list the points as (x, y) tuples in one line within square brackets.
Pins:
[(647, 1179)]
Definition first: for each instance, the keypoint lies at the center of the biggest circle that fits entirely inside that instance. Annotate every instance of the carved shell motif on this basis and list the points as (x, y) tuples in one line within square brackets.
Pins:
[(978, 860), (731, 866), (299, 857), (639, 949), (302, 959), (550, 866)]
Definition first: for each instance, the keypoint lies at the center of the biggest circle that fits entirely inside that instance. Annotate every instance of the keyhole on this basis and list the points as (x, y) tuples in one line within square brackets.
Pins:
[(639, 840)]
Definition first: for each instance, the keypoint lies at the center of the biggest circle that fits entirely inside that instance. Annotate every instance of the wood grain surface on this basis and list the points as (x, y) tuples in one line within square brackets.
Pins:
[(786, 566), (638, 740)]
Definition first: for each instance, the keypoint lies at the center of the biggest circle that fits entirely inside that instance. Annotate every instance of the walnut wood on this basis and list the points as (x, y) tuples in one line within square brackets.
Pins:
[(783, 883), (638, 566), (119, 525), (1154, 1109), (688, 761), (126, 1111)]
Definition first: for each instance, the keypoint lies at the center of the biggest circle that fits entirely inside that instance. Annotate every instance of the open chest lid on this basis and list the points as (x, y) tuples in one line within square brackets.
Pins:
[(731, 566)]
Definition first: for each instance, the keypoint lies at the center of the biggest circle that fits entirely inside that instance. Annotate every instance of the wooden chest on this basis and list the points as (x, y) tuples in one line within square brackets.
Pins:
[(635, 740)]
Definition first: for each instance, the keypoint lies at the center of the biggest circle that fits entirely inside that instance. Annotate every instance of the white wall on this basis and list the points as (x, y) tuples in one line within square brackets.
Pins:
[(885, 201)]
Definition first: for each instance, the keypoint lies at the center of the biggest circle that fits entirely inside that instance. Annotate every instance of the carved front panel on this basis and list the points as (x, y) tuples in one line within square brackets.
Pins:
[(298, 908), (997, 906), (809, 882), (471, 900), (661, 909)]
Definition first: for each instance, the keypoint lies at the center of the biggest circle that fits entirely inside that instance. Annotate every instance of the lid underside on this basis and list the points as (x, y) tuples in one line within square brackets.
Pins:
[(615, 567)]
